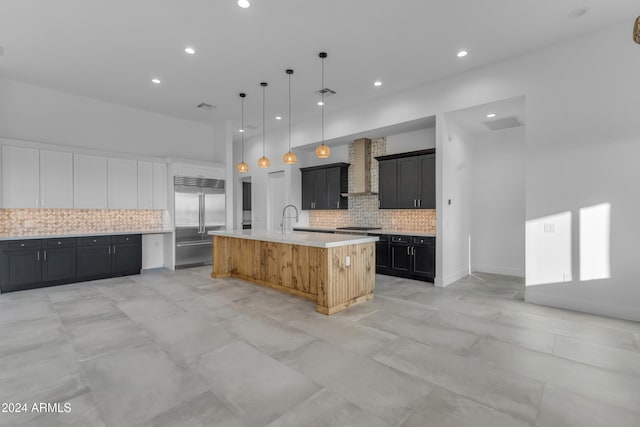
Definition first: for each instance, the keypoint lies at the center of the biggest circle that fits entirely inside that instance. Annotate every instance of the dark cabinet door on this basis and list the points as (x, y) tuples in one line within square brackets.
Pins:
[(21, 269), (94, 261), (336, 184), (407, 184), (127, 254), (320, 199), (59, 264), (424, 256), (308, 190), (246, 196), (387, 182), (427, 193), (400, 257), (382, 253)]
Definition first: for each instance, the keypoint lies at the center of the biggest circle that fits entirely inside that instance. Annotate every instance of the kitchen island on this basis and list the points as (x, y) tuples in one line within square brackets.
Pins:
[(335, 271)]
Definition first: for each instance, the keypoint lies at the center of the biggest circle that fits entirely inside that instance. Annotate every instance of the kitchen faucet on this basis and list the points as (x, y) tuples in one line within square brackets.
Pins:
[(284, 218)]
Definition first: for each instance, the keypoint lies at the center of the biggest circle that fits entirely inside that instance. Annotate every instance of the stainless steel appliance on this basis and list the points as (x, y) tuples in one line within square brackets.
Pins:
[(199, 208)]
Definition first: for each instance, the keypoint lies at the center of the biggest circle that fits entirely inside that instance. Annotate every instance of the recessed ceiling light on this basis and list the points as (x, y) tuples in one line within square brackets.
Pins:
[(241, 130), (244, 3), (156, 81), (579, 12), (320, 103), (377, 83), (278, 118), (190, 50), (462, 54), (491, 115)]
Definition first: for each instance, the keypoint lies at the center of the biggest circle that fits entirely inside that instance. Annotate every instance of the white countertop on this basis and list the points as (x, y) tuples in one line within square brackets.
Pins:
[(318, 240), (394, 232), (61, 236)]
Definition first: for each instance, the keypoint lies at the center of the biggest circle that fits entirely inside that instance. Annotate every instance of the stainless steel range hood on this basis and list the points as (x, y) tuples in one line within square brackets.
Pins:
[(361, 172)]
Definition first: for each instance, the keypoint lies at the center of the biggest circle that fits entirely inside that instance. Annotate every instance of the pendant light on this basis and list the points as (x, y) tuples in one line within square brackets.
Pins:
[(636, 31), (263, 161), (242, 166), (290, 157), (322, 151)]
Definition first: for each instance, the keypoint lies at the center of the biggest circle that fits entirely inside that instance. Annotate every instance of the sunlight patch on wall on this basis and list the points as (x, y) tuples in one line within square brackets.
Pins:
[(595, 226), (548, 249)]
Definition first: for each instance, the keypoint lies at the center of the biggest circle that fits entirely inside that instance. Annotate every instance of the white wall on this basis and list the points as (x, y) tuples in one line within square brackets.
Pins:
[(497, 197), (420, 139), (34, 113), (581, 146)]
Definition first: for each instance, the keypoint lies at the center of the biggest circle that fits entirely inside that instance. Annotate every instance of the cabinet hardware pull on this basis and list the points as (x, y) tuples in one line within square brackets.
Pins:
[(408, 250), (109, 250), (45, 254), (338, 204), (414, 203), (38, 255), (419, 203), (114, 249), (413, 250)]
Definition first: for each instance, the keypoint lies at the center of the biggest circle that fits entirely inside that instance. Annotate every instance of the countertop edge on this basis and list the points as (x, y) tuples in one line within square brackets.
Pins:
[(348, 240), (370, 232), (63, 236)]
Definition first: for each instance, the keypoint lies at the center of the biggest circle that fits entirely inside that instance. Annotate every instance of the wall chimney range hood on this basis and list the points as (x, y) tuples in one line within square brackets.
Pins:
[(361, 172)]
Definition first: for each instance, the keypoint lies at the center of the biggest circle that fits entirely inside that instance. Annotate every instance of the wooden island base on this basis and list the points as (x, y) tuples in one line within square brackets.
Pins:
[(318, 274)]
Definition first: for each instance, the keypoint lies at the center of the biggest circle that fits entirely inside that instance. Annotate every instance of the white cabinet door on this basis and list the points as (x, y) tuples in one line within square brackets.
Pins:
[(89, 181), (123, 184), (160, 188), (56, 179), (145, 185), (20, 177)]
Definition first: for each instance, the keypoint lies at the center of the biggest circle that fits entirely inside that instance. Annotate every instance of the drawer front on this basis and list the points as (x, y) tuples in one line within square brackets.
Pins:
[(68, 242), (423, 240), (401, 239), (94, 241), (24, 244), (127, 238)]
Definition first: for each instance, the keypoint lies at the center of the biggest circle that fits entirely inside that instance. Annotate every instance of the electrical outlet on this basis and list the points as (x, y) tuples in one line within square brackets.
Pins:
[(347, 261)]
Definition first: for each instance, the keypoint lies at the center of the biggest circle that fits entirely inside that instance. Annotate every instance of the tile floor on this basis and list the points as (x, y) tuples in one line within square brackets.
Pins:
[(177, 348)]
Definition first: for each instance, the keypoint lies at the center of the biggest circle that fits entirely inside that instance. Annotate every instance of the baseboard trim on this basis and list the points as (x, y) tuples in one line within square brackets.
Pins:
[(540, 298), (447, 280), (495, 269)]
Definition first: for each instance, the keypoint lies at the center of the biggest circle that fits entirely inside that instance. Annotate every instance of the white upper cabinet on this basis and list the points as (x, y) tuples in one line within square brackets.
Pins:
[(56, 179), (160, 186), (145, 185), (123, 184), (89, 181), (20, 177)]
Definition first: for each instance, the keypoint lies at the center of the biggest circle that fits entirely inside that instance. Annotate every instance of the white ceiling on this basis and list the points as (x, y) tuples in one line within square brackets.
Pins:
[(110, 49)]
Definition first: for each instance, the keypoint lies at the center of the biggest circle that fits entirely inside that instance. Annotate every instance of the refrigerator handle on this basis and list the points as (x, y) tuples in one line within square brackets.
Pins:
[(200, 213)]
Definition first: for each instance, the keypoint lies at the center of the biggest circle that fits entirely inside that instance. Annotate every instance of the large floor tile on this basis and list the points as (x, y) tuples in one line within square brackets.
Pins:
[(203, 410), (561, 407), (187, 336), (258, 387), (443, 408), (81, 411), (500, 389), (137, 384), (425, 331), (144, 309), (384, 392), (16, 309), (607, 386), (327, 409), (612, 358)]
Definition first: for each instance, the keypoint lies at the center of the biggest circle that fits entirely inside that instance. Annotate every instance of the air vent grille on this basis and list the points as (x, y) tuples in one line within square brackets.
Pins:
[(326, 92), (503, 123), (192, 181)]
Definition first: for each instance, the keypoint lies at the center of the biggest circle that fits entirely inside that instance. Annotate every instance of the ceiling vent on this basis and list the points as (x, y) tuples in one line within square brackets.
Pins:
[(504, 123), (326, 92), (205, 106)]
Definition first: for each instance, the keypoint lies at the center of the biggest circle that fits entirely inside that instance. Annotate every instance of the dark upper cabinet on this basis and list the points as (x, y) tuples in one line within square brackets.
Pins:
[(322, 187), (407, 180), (246, 196), (20, 265)]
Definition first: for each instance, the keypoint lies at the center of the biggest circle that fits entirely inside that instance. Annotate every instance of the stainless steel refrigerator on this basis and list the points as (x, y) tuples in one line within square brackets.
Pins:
[(199, 208)]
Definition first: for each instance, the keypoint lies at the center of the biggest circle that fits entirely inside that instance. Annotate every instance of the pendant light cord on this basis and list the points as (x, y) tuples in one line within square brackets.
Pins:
[(264, 85), (322, 106), (289, 111), (242, 126)]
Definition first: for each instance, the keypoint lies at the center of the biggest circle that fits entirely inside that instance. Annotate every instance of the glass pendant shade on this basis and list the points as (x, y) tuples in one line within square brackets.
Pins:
[(243, 167), (263, 162), (290, 158), (323, 151)]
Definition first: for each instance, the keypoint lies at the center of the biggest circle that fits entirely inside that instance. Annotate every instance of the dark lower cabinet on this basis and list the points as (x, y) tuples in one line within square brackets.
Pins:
[(28, 264), (412, 257), (20, 264)]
